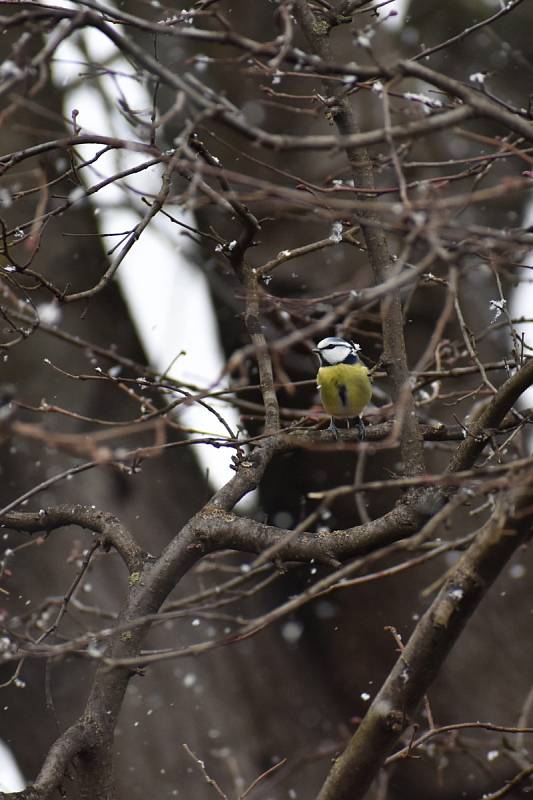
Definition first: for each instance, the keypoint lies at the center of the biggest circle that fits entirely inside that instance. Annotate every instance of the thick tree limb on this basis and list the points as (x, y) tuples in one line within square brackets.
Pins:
[(53, 770), (113, 533), (434, 636)]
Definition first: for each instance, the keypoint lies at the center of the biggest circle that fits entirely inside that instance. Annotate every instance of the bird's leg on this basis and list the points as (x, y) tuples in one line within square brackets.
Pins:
[(333, 428), (360, 425)]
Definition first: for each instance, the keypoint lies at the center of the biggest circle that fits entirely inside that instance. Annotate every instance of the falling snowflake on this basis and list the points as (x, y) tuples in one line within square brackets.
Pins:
[(497, 306), (336, 232)]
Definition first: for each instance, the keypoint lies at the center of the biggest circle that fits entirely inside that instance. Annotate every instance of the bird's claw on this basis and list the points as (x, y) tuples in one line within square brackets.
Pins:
[(359, 424), (333, 429)]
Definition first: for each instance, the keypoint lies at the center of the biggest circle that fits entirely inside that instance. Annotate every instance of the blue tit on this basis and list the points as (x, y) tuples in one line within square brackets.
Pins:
[(343, 382)]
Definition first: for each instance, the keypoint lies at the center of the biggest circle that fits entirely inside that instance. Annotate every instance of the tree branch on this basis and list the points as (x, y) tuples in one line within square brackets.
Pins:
[(113, 533), (433, 638), (490, 417), (395, 356), (56, 762)]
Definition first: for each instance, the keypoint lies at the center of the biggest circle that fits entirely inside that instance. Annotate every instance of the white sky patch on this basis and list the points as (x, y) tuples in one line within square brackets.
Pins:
[(167, 295), (521, 305), (11, 779), (400, 6)]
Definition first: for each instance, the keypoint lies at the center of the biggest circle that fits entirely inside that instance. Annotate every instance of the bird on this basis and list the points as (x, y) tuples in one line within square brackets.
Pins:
[(343, 382)]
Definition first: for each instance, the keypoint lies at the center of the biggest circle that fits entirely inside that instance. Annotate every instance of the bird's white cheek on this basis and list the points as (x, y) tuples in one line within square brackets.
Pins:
[(336, 355)]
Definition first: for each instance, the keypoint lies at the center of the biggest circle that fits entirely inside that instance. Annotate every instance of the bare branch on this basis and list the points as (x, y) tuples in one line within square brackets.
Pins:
[(395, 356), (113, 533), (430, 643)]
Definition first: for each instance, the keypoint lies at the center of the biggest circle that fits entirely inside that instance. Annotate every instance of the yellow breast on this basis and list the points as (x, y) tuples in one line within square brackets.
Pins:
[(345, 389)]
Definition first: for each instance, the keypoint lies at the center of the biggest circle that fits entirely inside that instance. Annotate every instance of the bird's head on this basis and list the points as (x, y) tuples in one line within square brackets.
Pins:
[(334, 350)]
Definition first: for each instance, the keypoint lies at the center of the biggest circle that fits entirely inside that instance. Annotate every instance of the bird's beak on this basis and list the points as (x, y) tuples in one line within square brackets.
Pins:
[(315, 350)]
